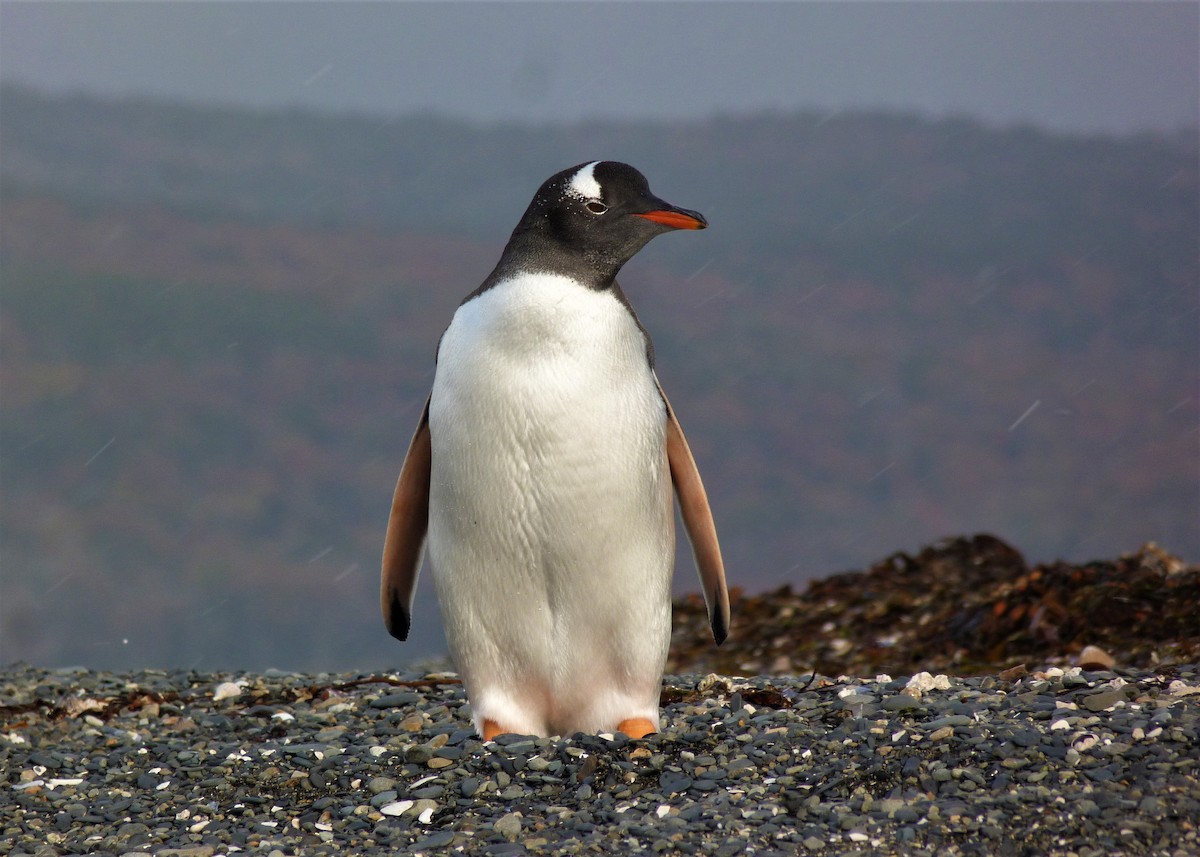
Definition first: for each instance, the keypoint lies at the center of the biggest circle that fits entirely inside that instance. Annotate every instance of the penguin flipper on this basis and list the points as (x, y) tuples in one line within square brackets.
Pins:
[(698, 521), (407, 524)]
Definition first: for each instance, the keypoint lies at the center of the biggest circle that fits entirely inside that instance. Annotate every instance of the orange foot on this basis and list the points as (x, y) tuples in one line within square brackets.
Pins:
[(637, 727), (491, 729)]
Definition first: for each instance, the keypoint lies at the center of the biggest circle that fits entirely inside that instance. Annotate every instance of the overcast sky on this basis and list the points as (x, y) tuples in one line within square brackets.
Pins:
[(1065, 65)]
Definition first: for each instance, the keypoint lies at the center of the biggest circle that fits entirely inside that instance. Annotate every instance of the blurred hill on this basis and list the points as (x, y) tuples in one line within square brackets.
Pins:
[(217, 327)]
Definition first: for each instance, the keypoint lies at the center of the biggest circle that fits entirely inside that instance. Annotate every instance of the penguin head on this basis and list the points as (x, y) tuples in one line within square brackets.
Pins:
[(603, 211)]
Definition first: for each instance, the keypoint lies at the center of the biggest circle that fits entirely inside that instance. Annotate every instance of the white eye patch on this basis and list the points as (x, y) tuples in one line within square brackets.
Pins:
[(583, 184)]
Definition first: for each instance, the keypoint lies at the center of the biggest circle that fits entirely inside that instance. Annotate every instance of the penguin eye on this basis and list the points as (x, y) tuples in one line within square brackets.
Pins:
[(596, 207)]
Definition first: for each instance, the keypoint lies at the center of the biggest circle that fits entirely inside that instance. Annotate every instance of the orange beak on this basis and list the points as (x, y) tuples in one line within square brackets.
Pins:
[(677, 219)]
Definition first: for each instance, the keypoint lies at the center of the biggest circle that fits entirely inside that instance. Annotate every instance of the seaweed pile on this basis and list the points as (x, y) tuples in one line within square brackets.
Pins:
[(965, 606)]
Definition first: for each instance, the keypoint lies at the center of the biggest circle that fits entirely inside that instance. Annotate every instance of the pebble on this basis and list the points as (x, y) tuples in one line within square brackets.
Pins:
[(1095, 658), (1102, 700), (509, 826), (1061, 761)]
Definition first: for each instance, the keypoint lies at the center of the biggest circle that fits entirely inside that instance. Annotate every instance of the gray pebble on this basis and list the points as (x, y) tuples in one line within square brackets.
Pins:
[(1102, 700), (509, 826), (393, 700)]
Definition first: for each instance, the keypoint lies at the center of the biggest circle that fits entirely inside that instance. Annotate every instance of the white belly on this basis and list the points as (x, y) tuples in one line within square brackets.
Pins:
[(550, 523)]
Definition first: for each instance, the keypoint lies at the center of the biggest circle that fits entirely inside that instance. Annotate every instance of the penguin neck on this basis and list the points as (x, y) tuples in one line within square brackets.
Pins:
[(529, 252)]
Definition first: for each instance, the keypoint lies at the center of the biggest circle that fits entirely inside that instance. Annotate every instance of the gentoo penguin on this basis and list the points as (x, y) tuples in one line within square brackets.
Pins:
[(541, 474)]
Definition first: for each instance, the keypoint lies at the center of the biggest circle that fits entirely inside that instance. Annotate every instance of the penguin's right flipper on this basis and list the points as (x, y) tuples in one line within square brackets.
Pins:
[(407, 525)]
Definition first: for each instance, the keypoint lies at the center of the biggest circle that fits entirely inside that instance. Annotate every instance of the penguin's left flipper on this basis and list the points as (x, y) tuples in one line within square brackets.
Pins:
[(407, 525), (698, 521)]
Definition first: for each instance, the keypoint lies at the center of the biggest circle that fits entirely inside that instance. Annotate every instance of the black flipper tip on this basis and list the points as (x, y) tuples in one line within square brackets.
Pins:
[(399, 620), (719, 629)]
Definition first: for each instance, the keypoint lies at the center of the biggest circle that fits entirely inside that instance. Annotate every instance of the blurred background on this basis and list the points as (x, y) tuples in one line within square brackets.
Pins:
[(950, 286)]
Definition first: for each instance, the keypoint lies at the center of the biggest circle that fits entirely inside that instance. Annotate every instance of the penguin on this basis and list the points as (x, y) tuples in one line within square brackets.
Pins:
[(541, 473)]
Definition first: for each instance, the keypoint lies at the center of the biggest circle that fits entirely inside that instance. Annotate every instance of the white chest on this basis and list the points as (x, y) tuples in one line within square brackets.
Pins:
[(540, 344)]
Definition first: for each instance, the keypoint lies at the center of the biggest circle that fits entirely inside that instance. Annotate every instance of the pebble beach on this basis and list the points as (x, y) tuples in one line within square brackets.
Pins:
[(186, 764)]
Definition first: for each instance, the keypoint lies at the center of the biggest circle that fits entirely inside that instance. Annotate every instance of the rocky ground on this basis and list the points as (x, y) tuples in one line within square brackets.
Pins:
[(982, 737)]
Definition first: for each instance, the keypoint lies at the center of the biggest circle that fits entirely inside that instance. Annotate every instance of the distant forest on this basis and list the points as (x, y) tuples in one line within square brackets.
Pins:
[(217, 327)]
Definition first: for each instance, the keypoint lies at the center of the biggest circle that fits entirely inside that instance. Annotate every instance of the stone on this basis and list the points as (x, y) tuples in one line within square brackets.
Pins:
[(1095, 658), (509, 826)]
